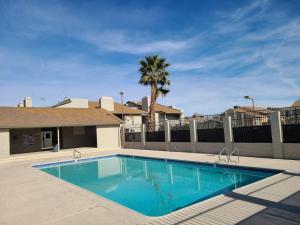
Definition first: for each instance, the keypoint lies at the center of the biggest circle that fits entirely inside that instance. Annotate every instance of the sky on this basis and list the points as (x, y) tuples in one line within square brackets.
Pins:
[(219, 51)]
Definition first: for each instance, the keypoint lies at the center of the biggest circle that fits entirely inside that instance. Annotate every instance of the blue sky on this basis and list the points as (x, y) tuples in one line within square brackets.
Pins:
[(219, 51)]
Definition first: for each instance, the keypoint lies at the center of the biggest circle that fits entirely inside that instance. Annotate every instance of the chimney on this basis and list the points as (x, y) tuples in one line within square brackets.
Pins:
[(27, 102), (106, 103), (146, 103)]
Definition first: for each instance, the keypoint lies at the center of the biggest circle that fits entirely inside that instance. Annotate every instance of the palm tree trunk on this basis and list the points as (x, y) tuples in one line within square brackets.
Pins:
[(151, 115)]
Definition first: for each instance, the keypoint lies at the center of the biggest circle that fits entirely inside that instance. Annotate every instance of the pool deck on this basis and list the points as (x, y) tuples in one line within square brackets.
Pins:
[(29, 196)]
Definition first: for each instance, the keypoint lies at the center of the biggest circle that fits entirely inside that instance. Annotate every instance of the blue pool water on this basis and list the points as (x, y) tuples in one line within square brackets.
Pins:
[(150, 186)]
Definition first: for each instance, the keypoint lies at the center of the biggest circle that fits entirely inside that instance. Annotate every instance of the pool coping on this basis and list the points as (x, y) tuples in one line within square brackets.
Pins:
[(87, 159)]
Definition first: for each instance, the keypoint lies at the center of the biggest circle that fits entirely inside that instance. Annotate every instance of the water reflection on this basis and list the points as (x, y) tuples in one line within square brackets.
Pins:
[(153, 187)]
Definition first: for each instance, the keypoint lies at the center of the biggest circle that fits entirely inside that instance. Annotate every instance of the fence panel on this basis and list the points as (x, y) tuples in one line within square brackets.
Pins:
[(210, 128), (290, 121), (133, 137), (210, 135), (291, 133), (155, 136), (253, 134), (180, 131), (180, 136), (252, 126), (132, 132)]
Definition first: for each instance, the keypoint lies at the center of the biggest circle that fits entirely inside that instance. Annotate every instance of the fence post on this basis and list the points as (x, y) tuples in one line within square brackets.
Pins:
[(228, 136), (167, 135), (193, 133), (122, 136), (276, 131), (143, 135)]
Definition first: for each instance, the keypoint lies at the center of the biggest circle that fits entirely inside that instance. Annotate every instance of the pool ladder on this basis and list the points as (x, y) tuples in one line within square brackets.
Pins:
[(228, 158), (76, 155), (235, 150)]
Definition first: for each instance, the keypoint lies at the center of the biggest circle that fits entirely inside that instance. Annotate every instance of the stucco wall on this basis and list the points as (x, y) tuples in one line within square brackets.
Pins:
[(255, 149), (291, 151), (155, 146), (4, 143), (108, 137), (71, 138), (209, 147), (134, 145), (246, 149), (18, 143), (180, 146)]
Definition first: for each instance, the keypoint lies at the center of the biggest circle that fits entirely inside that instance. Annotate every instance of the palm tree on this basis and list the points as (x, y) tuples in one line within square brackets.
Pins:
[(153, 73)]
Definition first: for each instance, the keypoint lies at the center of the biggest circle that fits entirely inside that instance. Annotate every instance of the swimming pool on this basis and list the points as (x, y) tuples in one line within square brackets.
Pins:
[(153, 187)]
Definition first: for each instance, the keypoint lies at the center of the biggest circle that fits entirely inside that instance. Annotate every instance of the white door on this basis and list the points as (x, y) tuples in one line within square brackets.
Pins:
[(47, 139)]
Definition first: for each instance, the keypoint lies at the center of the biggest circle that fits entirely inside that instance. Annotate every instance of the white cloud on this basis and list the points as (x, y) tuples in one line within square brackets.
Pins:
[(127, 42), (264, 63), (211, 70)]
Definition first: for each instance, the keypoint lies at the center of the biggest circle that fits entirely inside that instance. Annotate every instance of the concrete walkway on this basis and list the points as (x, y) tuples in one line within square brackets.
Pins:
[(28, 196)]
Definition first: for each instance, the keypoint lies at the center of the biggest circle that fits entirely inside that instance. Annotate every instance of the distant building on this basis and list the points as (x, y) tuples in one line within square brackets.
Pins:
[(162, 112), (296, 103), (246, 116)]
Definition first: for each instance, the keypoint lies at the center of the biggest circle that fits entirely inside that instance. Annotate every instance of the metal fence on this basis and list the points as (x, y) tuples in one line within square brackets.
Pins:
[(289, 115), (291, 133), (210, 128), (133, 137), (210, 121), (251, 126), (132, 133), (253, 134), (210, 135), (155, 136), (250, 118), (290, 121), (180, 131), (158, 135)]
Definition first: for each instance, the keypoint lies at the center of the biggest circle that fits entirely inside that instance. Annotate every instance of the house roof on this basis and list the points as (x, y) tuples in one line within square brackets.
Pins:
[(166, 109), (296, 103), (247, 110), (14, 117), (118, 109), (161, 108)]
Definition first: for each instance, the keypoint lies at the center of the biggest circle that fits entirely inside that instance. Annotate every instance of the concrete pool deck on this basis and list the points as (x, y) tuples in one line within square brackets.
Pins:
[(29, 196)]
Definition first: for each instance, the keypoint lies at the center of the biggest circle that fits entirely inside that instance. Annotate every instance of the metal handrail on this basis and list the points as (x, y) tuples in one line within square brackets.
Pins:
[(74, 154), (220, 154), (238, 155)]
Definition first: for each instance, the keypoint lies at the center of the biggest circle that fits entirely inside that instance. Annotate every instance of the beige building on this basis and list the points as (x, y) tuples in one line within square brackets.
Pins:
[(28, 129), (162, 112), (132, 117)]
